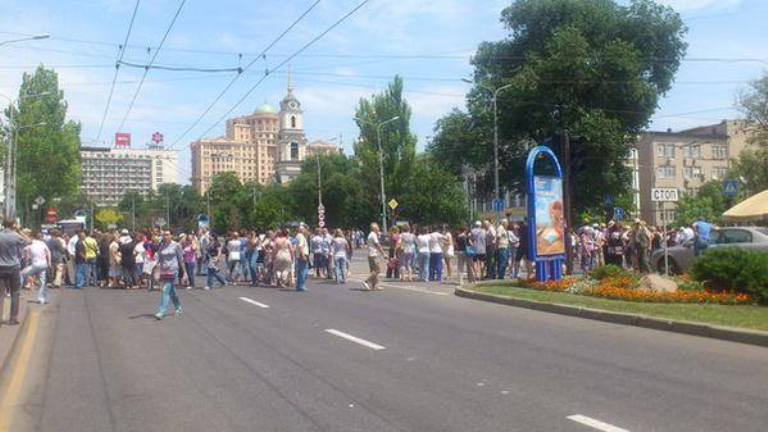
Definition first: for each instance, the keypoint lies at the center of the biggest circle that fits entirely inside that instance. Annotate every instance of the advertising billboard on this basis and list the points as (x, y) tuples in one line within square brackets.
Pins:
[(122, 139), (550, 219)]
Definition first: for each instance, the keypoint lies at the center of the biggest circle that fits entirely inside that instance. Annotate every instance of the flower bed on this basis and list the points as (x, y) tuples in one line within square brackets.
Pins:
[(624, 287)]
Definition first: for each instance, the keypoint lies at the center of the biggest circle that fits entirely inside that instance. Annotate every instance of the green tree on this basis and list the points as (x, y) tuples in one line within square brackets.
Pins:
[(754, 103), (432, 196), (397, 142), (708, 204), (48, 162), (593, 67), (226, 193), (106, 217), (751, 168)]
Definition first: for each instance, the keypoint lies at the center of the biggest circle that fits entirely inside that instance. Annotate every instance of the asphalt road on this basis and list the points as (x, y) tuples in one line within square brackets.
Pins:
[(340, 359)]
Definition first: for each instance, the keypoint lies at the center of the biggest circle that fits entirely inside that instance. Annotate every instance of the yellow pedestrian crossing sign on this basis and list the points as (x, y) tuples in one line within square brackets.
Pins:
[(393, 204)]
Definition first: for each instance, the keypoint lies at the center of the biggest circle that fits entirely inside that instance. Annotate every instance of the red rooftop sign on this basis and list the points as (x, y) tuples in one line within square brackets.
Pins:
[(122, 139)]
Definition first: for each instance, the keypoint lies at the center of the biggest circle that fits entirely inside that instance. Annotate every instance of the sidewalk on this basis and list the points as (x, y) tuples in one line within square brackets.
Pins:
[(8, 333)]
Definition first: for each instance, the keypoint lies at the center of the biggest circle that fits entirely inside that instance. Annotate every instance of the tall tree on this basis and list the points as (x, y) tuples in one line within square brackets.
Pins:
[(708, 204), (593, 67), (48, 162), (751, 168), (397, 142), (754, 103)]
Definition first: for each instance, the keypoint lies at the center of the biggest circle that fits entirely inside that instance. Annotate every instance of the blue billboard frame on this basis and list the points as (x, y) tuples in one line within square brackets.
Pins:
[(548, 267)]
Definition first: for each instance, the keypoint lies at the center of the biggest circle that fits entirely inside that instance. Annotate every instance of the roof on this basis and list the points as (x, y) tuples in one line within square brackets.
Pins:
[(266, 109)]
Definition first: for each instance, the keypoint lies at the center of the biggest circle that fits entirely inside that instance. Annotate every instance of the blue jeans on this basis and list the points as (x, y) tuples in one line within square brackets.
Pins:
[(423, 266), (502, 260), (436, 267), (341, 269), (91, 276), (81, 274), (190, 273), (169, 294), (302, 271), (213, 273)]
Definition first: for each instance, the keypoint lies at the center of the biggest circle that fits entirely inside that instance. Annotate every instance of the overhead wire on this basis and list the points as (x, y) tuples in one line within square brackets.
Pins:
[(151, 62), (117, 70), (247, 67)]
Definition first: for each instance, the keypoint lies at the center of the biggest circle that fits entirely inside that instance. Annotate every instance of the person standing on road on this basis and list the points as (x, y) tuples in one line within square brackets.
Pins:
[(408, 249), (81, 262), (189, 248), (436, 241), (502, 249), (340, 249), (318, 259), (375, 251), (233, 257), (128, 260), (422, 244), (39, 259), (58, 255), (213, 257), (282, 258), (450, 250), (91, 254), (71, 267), (12, 241), (170, 262), (477, 239), (490, 250), (302, 258)]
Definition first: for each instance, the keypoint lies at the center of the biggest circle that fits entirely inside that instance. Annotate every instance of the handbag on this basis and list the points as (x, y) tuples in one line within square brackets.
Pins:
[(470, 251)]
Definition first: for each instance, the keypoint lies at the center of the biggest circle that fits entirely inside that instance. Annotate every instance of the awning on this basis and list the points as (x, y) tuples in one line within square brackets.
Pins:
[(754, 208)]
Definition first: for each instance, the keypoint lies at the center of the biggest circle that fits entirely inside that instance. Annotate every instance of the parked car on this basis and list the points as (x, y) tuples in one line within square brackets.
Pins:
[(681, 257)]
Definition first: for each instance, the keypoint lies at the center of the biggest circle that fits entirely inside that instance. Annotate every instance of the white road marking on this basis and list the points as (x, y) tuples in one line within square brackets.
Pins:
[(355, 339), (595, 424), (254, 302)]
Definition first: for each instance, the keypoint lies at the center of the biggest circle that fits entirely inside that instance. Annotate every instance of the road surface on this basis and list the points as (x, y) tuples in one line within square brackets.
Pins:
[(340, 359)]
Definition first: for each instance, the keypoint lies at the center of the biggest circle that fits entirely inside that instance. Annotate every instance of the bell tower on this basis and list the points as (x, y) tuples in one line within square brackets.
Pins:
[(292, 142)]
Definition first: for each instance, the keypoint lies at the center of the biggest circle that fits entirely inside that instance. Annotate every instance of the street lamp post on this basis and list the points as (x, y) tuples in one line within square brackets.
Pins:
[(494, 100), (24, 39), (381, 166)]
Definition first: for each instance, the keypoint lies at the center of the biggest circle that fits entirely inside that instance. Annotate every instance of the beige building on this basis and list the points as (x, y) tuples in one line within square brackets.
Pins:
[(110, 172), (266, 146), (685, 160)]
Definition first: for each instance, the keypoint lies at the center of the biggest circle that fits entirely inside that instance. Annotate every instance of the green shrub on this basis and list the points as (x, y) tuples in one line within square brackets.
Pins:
[(736, 270), (610, 271)]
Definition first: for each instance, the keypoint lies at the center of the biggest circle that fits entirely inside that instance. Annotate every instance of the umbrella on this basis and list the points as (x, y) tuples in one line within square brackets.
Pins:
[(751, 209)]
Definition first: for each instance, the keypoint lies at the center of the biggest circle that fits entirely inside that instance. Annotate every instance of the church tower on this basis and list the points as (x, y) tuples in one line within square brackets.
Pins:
[(291, 141)]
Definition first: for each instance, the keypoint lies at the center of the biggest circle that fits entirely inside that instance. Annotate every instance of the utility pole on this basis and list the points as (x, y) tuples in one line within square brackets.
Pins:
[(168, 209), (133, 212), (381, 167), (565, 142), (319, 182)]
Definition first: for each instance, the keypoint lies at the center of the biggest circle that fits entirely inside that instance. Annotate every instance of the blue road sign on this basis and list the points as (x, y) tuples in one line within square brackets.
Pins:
[(731, 188), (498, 205), (618, 214)]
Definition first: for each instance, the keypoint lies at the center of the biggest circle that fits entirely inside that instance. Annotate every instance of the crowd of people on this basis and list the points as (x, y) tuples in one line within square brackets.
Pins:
[(283, 258)]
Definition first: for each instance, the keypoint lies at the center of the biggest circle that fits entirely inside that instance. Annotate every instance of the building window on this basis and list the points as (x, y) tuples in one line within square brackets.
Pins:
[(293, 122), (719, 152), (665, 172), (692, 152), (719, 173), (688, 172), (294, 151), (666, 150)]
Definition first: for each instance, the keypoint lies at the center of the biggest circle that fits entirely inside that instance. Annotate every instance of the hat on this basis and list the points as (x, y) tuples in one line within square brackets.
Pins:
[(124, 232), (478, 224)]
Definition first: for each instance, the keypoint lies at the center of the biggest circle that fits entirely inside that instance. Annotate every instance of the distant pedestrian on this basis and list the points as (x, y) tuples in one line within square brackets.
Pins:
[(39, 259), (213, 258), (301, 256), (375, 252), (189, 249), (477, 239), (81, 263), (408, 250), (170, 263), (340, 250), (422, 245)]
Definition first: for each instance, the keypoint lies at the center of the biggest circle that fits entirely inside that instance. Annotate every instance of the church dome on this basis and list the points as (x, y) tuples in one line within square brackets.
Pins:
[(266, 109)]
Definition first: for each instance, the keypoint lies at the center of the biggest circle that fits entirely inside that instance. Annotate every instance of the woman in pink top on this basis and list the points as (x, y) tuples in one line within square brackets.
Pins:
[(189, 250)]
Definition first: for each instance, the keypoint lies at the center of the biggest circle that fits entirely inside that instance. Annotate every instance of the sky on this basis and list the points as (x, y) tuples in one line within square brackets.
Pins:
[(427, 42)]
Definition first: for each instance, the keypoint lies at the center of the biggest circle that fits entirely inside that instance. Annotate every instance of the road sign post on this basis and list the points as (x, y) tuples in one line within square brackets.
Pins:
[(661, 196)]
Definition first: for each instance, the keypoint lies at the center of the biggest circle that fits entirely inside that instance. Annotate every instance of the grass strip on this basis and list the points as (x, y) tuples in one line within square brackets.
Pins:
[(744, 316)]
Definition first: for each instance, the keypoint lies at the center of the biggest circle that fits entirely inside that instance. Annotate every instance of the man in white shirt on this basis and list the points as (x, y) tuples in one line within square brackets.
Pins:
[(302, 258), (39, 257), (71, 262), (374, 252)]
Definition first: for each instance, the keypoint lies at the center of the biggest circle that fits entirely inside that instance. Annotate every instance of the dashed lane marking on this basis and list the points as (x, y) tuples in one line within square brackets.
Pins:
[(254, 302), (355, 339), (595, 424)]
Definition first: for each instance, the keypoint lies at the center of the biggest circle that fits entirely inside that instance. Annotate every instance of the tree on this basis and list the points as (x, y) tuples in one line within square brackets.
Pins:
[(751, 168), (754, 104), (48, 162), (108, 216), (708, 204), (432, 196), (397, 142), (592, 67), (226, 193)]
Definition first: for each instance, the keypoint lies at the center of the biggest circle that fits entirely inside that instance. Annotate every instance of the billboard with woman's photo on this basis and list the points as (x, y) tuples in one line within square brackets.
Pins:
[(550, 225)]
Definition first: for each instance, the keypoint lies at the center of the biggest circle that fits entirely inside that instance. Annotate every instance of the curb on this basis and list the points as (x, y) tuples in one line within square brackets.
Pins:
[(5, 362), (731, 334)]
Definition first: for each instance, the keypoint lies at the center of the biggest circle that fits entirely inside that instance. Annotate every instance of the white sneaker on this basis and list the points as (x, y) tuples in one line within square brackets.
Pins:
[(367, 287), (159, 316), (207, 288)]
